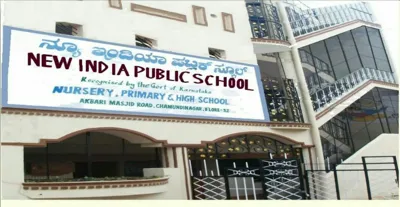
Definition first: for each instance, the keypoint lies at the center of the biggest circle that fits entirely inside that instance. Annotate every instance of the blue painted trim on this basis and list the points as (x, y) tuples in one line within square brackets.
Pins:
[(4, 65), (6, 53)]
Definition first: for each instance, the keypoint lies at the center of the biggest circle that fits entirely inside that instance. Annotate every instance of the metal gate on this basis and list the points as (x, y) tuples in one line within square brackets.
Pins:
[(375, 178), (276, 179), (283, 180)]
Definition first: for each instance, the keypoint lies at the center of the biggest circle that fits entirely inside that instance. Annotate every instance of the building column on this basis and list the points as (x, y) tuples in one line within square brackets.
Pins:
[(182, 164), (12, 172), (309, 109), (290, 72)]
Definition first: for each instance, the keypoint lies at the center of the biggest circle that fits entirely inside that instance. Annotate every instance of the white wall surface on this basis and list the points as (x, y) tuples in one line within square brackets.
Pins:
[(100, 22), (352, 184), (382, 183), (12, 172), (37, 127)]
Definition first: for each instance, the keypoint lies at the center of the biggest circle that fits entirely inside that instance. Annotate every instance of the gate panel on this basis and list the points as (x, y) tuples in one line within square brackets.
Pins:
[(209, 188), (282, 180), (321, 185), (244, 183)]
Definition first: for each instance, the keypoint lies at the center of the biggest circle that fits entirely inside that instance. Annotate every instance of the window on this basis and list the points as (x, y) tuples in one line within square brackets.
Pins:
[(68, 29), (337, 57), (216, 53), (158, 12), (199, 14), (90, 155), (115, 4), (227, 20), (145, 42)]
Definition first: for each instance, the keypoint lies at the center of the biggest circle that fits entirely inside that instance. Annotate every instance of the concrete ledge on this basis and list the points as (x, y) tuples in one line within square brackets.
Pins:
[(94, 189), (262, 45)]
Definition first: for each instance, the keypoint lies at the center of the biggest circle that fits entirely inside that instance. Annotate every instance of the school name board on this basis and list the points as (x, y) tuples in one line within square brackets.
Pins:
[(59, 72)]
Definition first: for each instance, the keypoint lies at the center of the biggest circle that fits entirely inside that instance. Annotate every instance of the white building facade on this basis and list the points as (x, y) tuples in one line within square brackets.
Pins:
[(195, 100)]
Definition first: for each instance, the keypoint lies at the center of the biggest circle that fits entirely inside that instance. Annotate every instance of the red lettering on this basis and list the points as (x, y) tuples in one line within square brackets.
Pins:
[(102, 67), (246, 83), (150, 73), (122, 68), (80, 65), (240, 83), (174, 77), (232, 83), (63, 63), (48, 61), (45, 60), (207, 80), (181, 79), (91, 65), (138, 70), (219, 80), (35, 59), (160, 74), (198, 80)]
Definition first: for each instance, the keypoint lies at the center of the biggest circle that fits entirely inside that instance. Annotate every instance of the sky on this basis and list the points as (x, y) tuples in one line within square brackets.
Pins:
[(386, 14)]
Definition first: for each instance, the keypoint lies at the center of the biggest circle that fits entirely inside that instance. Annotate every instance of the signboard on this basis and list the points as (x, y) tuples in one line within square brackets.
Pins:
[(66, 73)]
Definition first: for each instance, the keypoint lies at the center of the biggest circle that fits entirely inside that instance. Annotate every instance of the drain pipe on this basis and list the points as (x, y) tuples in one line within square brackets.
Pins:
[(303, 86)]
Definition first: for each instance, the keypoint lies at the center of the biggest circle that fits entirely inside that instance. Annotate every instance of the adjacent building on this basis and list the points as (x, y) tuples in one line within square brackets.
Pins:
[(196, 100)]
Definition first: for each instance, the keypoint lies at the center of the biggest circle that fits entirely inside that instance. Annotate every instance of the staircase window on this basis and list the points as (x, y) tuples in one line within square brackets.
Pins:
[(199, 14), (216, 53), (68, 29), (227, 20), (117, 4), (145, 42)]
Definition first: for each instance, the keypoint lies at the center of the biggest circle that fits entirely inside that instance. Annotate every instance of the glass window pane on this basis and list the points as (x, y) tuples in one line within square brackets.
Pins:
[(382, 64), (354, 63), (318, 50), (375, 37), (346, 39), (360, 36), (339, 64), (372, 110), (374, 125), (361, 136), (306, 48), (363, 46), (379, 53), (350, 51), (368, 62)]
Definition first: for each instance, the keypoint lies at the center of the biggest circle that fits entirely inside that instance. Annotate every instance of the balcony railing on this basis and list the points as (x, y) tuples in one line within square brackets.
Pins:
[(282, 100), (307, 20), (335, 90), (264, 21)]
